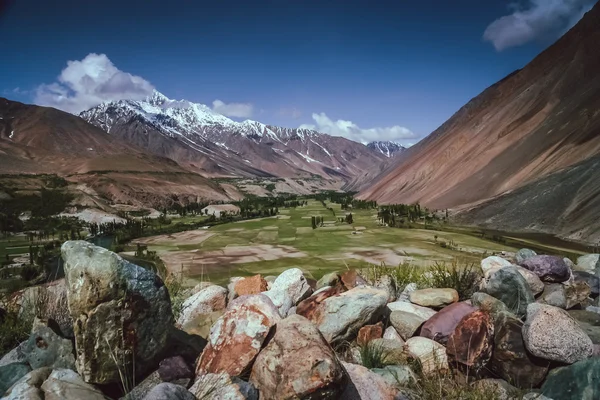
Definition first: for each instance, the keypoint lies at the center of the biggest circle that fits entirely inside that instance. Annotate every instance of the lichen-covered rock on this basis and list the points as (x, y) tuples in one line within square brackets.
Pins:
[(251, 285), (524, 254), (297, 363), (431, 355), (201, 324), (366, 385), (509, 286), (471, 343), (433, 297), (386, 283), (511, 360), (45, 348), (550, 333), (206, 301), (341, 316), (441, 325), (548, 268), (309, 307), (369, 332), (422, 312), (216, 386), (289, 289), (237, 337), (578, 381), (589, 263), (120, 311)]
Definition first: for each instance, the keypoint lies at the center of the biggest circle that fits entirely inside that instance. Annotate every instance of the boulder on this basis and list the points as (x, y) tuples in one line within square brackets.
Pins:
[(252, 285), (28, 387), (218, 386), (201, 324), (330, 279), (66, 384), (386, 283), (173, 369), (435, 298), (589, 322), (366, 385), (441, 325), (11, 373), (297, 363), (231, 288), (431, 355), (391, 333), (45, 348), (509, 286), (308, 307), (578, 381), (492, 264), (550, 333), (488, 303), (548, 268), (351, 279), (16, 355), (237, 337), (406, 324), (404, 295), (396, 375), (141, 390), (369, 332), (206, 301), (471, 342), (392, 350), (524, 254), (592, 280), (535, 283), (340, 317), (497, 389), (120, 311), (566, 296), (511, 360), (589, 263), (422, 312), (290, 288), (169, 391)]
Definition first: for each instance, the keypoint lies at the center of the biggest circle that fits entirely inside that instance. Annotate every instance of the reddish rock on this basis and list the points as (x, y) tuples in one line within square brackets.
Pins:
[(252, 285), (471, 342), (441, 325), (237, 337), (369, 332), (309, 307), (352, 279)]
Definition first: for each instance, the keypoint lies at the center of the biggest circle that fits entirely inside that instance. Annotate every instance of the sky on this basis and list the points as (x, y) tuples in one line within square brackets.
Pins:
[(366, 70)]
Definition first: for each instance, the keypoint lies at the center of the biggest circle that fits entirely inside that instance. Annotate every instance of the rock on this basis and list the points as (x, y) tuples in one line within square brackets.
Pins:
[(366, 385), (245, 388), (589, 322), (231, 288), (330, 279), (201, 324), (368, 333), (488, 303), (237, 337), (392, 350), (406, 324), (66, 384), (441, 325), (578, 381), (431, 354), (386, 283), (120, 311), (11, 373), (535, 396), (509, 286), (524, 254), (497, 389), (351, 279), (45, 348), (251, 285), (169, 391), (471, 343), (550, 333), (308, 307), (565, 296), (492, 264), (341, 316), (548, 268), (28, 387), (419, 311), (174, 368), (435, 298), (141, 390), (208, 300), (577, 293), (297, 363), (288, 290), (16, 355), (396, 375), (592, 280), (535, 283), (391, 333), (589, 263), (511, 360), (554, 295), (216, 386), (180, 343), (404, 295)]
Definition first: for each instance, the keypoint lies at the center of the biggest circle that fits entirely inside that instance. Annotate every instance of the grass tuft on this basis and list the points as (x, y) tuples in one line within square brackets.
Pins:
[(373, 355), (463, 280)]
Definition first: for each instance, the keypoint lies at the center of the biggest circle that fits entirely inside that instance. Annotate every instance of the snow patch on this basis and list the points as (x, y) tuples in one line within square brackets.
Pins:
[(12, 133)]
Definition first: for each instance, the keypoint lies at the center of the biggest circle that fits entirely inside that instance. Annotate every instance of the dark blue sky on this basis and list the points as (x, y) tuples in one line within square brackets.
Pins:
[(375, 63)]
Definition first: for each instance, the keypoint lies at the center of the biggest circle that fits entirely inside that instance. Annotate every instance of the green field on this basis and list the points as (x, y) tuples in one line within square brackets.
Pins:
[(271, 245)]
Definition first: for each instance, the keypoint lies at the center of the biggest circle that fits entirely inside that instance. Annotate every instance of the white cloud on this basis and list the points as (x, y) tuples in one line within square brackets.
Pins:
[(238, 110), (350, 130), (535, 19), (86, 83)]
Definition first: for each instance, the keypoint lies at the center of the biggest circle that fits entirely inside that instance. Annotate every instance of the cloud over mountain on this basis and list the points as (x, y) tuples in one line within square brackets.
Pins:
[(237, 110)]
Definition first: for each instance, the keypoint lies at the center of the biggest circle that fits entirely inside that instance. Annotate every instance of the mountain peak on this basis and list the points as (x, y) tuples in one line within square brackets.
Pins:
[(387, 148), (157, 98)]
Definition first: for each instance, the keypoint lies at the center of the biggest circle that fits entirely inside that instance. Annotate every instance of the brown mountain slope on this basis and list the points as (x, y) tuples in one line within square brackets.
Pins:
[(45, 140), (536, 121)]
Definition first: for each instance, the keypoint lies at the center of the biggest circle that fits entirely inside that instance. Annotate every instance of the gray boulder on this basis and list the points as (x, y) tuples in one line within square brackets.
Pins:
[(406, 324), (45, 348), (524, 254), (509, 286), (589, 263), (120, 311), (574, 382), (548, 268), (290, 288), (592, 280), (11, 373)]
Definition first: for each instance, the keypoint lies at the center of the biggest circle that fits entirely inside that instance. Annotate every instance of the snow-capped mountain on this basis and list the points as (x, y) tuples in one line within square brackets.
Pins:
[(201, 139), (388, 149)]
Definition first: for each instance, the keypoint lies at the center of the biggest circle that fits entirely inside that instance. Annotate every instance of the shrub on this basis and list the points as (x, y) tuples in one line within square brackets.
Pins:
[(463, 280), (402, 275)]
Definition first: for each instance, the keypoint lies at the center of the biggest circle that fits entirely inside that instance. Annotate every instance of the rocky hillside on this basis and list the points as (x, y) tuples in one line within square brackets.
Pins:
[(522, 326), (207, 142), (535, 122)]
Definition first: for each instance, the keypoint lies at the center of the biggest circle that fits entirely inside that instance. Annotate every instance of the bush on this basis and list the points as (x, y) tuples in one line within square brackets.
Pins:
[(463, 280), (402, 275)]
